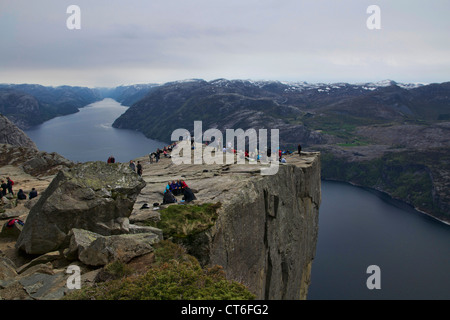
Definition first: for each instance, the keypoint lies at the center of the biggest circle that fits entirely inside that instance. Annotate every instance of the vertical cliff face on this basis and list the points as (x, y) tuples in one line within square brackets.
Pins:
[(266, 234), (266, 229), (11, 134)]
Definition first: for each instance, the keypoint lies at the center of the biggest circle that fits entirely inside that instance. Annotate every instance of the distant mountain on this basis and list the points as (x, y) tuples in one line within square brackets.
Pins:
[(127, 95), (29, 104), (304, 113)]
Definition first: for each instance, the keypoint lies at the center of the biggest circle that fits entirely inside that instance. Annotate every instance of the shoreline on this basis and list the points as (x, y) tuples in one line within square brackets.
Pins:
[(386, 194)]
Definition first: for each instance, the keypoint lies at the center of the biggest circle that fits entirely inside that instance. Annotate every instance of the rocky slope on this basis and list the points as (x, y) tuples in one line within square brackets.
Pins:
[(264, 236), (11, 134)]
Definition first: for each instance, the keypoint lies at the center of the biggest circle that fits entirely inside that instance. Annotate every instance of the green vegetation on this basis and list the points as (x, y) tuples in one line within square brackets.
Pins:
[(118, 270), (174, 275), (403, 175), (341, 126), (187, 220)]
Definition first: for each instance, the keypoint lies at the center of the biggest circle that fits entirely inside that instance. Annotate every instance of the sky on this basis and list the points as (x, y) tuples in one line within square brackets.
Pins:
[(157, 41)]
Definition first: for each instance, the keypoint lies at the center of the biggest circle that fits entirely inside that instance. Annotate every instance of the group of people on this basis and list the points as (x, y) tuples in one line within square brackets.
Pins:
[(165, 152), (22, 196), (136, 168), (7, 188), (257, 156), (175, 189)]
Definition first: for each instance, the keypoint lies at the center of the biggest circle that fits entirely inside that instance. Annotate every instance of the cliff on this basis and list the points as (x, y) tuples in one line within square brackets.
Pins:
[(11, 134), (266, 228), (263, 230)]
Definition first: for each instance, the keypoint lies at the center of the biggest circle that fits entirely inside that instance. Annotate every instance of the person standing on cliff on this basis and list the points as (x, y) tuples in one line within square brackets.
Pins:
[(132, 165), (299, 148), (139, 168), (4, 188), (9, 185)]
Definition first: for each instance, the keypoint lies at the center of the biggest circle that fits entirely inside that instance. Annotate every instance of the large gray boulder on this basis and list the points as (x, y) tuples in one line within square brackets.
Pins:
[(94, 196), (96, 250)]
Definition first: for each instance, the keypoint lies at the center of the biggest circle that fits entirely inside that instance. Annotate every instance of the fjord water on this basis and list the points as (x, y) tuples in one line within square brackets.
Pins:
[(357, 228), (89, 136)]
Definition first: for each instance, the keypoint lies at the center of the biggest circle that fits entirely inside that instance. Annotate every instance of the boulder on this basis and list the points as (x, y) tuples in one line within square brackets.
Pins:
[(146, 229), (7, 269), (43, 259), (94, 196), (12, 213), (11, 231), (44, 286), (97, 250)]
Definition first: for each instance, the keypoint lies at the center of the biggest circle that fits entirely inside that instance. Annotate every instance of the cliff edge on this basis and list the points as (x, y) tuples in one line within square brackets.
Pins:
[(266, 229)]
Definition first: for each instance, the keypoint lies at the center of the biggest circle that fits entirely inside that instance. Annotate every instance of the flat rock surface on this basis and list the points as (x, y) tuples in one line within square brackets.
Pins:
[(210, 183)]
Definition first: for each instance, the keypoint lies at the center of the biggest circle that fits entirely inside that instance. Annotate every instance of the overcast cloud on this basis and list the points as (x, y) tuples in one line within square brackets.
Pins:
[(142, 41)]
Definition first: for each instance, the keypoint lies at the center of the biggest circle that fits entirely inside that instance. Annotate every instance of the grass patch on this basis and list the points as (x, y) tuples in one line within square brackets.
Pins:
[(182, 221), (174, 275)]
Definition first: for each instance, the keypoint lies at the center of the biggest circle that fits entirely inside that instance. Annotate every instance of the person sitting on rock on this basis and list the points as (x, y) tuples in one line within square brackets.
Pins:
[(174, 188), (21, 195), (180, 186), (169, 197), (188, 195), (183, 184), (167, 187), (33, 194)]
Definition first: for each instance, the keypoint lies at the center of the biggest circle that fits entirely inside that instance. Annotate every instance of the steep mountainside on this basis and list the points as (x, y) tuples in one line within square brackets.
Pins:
[(27, 104), (298, 111), (11, 134)]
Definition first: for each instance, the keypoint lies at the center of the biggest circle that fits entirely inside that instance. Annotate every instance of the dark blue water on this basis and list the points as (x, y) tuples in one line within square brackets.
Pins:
[(89, 136), (356, 227)]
